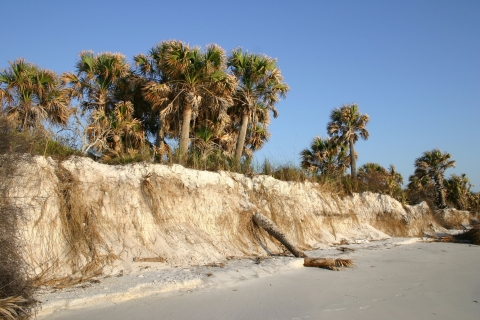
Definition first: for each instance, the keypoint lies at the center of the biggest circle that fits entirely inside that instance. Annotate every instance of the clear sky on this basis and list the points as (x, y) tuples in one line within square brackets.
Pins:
[(413, 66)]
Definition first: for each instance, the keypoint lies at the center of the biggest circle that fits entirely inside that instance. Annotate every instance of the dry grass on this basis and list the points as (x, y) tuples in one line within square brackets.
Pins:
[(16, 291), (13, 308), (81, 224), (391, 225), (154, 189), (284, 214)]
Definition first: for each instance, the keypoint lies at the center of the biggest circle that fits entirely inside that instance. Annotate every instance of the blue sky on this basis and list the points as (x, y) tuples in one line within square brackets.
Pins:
[(413, 66)]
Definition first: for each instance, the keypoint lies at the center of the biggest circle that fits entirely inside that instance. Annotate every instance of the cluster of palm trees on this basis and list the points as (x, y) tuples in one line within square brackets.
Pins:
[(330, 157), (210, 104), (182, 103)]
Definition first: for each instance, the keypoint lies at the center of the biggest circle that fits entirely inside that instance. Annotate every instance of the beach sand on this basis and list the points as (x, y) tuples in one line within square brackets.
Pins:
[(393, 279)]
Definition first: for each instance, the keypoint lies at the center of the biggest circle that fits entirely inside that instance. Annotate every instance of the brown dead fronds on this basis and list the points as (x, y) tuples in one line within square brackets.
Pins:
[(328, 263), (13, 308), (472, 235)]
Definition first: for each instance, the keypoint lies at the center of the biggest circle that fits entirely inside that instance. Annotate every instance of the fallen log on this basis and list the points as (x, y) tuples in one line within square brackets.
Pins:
[(328, 263), (273, 230)]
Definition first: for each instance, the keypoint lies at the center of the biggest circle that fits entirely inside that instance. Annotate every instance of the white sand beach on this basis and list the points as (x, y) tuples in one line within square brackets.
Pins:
[(397, 278)]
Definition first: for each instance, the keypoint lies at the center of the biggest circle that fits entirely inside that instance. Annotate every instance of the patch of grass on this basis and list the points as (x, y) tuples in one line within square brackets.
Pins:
[(391, 225)]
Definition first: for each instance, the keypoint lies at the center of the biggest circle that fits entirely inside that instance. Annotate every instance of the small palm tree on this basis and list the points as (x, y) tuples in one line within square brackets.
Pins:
[(378, 179), (260, 84), (96, 79), (30, 95), (432, 164), (347, 124), (458, 191), (325, 156)]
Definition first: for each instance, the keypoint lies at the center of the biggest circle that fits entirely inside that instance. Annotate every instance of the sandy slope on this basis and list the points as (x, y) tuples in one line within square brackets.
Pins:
[(394, 279)]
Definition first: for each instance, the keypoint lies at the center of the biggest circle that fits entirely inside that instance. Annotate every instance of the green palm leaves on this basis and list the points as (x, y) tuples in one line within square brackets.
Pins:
[(99, 82), (187, 81), (260, 87), (96, 79), (380, 180), (325, 156), (30, 95), (117, 132), (347, 124), (431, 166)]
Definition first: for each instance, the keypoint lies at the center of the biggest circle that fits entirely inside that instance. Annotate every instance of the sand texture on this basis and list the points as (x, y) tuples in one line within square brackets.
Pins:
[(393, 279)]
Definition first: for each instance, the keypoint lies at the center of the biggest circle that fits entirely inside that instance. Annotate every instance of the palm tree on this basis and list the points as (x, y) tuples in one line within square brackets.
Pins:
[(260, 85), (96, 79), (378, 179), (458, 191), (30, 95), (394, 180), (432, 164), (187, 81), (348, 124), (325, 156), (116, 133)]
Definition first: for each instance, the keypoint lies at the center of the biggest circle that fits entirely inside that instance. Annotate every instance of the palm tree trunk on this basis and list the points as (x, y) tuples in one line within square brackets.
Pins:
[(160, 143), (353, 168), (241, 138), (185, 134), (439, 192), (273, 230)]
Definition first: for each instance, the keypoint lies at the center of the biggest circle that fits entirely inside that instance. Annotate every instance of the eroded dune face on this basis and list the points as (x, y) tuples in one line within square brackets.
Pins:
[(85, 217)]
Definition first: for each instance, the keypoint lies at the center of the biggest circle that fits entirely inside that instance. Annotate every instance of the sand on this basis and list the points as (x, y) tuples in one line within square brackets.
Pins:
[(393, 279)]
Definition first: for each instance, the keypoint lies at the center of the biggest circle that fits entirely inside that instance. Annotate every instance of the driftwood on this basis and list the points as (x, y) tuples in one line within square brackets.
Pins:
[(328, 263), (273, 230), (154, 259)]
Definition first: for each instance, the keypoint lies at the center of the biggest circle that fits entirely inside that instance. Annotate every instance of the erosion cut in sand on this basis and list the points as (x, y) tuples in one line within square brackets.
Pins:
[(85, 218)]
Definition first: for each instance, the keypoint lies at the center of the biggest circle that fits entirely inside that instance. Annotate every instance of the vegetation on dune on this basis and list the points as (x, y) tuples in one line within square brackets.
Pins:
[(431, 166), (202, 108), (347, 125), (207, 110), (30, 95)]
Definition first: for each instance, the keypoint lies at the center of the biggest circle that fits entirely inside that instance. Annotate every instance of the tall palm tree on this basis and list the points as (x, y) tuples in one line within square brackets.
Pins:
[(30, 95), (96, 79), (260, 85), (325, 156), (348, 124), (188, 80), (432, 164)]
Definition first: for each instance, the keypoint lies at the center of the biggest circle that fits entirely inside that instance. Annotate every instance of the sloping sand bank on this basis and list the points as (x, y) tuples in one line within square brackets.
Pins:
[(394, 279), (84, 218)]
